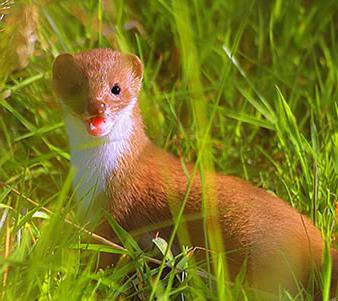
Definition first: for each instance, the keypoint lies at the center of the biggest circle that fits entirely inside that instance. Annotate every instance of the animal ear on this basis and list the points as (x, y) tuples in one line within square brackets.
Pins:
[(136, 65), (67, 75)]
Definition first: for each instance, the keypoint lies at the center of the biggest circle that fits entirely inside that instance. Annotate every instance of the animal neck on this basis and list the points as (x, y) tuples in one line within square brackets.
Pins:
[(97, 159)]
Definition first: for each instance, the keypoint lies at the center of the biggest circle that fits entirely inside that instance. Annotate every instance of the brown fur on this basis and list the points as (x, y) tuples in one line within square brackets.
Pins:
[(148, 187)]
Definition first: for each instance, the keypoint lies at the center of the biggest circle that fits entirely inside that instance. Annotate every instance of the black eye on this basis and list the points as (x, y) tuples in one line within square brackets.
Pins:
[(116, 89)]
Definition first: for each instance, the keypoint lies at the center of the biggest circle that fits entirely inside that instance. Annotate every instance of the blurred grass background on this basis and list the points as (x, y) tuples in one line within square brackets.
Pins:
[(249, 85)]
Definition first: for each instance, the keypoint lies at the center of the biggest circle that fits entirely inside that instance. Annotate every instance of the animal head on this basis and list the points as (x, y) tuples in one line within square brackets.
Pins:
[(97, 85)]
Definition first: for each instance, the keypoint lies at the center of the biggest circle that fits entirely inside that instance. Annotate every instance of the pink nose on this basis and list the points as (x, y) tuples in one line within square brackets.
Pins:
[(96, 108)]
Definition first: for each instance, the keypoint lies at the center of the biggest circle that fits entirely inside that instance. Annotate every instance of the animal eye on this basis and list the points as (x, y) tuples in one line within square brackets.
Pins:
[(116, 89)]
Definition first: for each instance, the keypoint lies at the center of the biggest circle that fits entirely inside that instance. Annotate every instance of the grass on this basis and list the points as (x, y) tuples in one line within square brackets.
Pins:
[(243, 87)]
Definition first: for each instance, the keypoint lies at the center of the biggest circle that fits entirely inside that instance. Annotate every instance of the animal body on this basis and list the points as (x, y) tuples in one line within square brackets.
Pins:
[(142, 185)]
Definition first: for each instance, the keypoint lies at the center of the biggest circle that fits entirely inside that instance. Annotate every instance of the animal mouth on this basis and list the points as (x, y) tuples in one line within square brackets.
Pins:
[(99, 126)]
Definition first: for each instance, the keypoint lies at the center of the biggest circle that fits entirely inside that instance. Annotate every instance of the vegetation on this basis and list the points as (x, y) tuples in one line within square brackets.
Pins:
[(243, 87)]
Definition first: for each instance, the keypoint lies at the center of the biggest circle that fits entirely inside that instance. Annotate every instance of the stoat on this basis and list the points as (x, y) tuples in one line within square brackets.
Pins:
[(143, 185)]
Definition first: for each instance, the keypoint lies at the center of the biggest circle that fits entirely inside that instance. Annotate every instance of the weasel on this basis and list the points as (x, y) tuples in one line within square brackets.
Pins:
[(142, 184)]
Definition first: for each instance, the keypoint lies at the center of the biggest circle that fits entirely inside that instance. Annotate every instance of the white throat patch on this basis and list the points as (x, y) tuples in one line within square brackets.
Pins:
[(94, 158)]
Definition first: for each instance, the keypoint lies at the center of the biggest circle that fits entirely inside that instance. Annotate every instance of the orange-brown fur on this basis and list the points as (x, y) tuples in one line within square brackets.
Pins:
[(149, 184)]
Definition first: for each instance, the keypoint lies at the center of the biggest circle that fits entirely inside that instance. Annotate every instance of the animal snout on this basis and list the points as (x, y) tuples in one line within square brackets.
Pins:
[(96, 108)]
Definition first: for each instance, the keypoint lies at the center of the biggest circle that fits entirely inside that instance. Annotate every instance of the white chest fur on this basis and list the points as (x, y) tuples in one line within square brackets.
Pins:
[(95, 158)]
